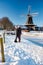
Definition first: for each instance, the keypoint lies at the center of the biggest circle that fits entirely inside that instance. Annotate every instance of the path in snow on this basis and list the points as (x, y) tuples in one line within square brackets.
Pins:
[(27, 52), (24, 52)]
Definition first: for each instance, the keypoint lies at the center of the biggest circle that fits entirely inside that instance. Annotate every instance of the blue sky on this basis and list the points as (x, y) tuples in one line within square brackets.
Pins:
[(15, 8)]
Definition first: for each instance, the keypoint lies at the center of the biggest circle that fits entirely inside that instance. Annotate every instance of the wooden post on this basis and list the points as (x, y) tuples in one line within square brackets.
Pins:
[(2, 49), (4, 36)]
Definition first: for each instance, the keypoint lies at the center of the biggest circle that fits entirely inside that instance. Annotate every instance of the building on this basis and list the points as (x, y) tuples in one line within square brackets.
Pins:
[(29, 24)]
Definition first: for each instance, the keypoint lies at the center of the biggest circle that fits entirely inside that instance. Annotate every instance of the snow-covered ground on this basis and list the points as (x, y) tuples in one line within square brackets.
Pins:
[(28, 52)]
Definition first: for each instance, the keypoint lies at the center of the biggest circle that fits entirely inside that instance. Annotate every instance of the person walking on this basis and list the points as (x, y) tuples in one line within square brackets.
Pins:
[(18, 34)]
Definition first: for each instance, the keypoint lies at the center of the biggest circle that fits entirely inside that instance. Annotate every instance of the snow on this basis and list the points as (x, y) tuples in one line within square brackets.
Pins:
[(28, 52), (33, 34)]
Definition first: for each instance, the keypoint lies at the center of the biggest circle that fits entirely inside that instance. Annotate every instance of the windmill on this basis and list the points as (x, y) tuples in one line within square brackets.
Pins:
[(29, 22)]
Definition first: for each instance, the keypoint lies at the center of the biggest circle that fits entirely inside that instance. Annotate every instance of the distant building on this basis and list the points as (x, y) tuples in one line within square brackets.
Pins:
[(39, 28)]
